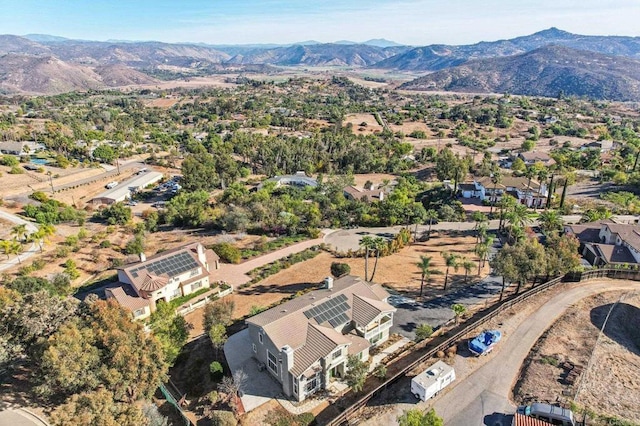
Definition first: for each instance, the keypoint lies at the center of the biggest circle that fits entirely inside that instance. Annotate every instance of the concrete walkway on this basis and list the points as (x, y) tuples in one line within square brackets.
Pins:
[(11, 262), (377, 359), (20, 417)]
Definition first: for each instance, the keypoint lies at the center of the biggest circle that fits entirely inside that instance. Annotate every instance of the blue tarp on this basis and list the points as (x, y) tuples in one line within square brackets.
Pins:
[(484, 341)]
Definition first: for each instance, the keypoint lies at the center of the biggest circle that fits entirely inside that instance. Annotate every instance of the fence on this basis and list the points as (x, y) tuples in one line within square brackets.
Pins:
[(187, 308), (484, 317), (173, 401)]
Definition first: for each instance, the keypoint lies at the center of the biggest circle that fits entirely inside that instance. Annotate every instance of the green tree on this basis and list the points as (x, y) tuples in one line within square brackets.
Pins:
[(550, 222), (562, 254), (416, 417), (356, 374), (425, 271), (339, 269), (218, 312), (450, 261), (135, 245), (467, 265), (97, 408), (116, 214), (368, 243), (218, 335), (104, 153), (188, 209), (379, 244), (71, 269), (20, 232), (171, 330), (431, 216), (458, 310)]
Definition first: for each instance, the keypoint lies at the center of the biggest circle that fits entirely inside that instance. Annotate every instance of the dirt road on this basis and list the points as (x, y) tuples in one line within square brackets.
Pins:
[(483, 397)]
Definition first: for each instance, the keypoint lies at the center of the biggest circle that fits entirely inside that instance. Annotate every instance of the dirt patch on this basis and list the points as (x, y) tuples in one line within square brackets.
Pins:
[(356, 120), (557, 365)]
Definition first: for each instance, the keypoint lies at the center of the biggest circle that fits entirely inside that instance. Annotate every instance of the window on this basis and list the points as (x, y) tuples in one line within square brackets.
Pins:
[(336, 354), (176, 293), (272, 362), (194, 273), (196, 285), (255, 350), (260, 338), (312, 384), (138, 312), (295, 386)]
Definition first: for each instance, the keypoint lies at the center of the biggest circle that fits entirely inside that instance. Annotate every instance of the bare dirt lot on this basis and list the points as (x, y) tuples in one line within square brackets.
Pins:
[(557, 366), (356, 120)]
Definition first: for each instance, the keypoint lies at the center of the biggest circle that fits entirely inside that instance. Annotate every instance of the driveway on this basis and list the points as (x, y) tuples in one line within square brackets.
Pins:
[(483, 398), (11, 262), (261, 387), (20, 417)]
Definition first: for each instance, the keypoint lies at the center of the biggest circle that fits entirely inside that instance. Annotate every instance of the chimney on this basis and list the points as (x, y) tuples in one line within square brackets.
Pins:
[(286, 362), (143, 257), (328, 283)]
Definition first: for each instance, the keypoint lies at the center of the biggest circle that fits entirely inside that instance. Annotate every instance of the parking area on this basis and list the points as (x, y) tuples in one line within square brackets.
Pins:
[(260, 387)]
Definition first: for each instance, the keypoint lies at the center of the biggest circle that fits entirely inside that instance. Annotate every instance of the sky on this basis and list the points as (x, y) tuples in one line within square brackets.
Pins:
[(412, 22)]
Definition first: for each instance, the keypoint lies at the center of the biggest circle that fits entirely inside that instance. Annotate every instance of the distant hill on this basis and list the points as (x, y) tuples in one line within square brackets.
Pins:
[(436, 57), (547, 71), (318, 55), (50, 75)]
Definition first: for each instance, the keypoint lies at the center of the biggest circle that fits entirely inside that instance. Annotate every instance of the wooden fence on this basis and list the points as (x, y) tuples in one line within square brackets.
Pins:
[(464, 329)]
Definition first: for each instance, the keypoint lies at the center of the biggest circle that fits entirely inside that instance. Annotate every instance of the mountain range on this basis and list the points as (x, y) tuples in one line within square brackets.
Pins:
[(39, 63)]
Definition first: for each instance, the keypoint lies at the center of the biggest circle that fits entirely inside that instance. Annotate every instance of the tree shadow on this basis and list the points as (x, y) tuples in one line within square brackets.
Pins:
[(498, 419), (622, 326)]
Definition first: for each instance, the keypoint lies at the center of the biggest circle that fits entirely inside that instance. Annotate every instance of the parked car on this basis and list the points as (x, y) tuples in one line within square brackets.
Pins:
[(484, 342), (111, 185), (549, 413)]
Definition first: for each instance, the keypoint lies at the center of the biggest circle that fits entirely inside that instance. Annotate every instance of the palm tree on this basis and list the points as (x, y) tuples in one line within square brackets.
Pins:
[(482, 251), (40, 236), (431, 216), (518, 217), (450, 260), (467, 265), (16, 248), (496, 178), (425, 270), (458, 310), (367, 243), (378, 244), (507, 202), (6, 245), (20, 232), (550, 221)]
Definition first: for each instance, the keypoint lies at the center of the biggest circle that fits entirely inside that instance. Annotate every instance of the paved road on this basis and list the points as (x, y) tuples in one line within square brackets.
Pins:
[(483, 398), (13, 261), (20, 417)]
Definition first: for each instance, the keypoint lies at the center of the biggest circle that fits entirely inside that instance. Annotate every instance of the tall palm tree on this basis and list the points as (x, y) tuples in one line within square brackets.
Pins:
[(518, 217), (16, 248), (6, 247), (507, 202), (431, 216), (425, 270), (378, 244), (496, 178), (482, 251), (450, 260), (467, 265), (367, 243)]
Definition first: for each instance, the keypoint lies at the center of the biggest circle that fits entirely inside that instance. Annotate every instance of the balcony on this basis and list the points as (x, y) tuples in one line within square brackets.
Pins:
[(377, 328)]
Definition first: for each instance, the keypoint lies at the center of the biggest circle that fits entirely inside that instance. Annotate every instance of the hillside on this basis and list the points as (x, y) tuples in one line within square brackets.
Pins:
[(319, 55), (437, 57), (547, 71)]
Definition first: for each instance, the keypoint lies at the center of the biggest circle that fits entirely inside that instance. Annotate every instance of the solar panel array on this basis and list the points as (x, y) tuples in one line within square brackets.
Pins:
[(172, 265), (333, 310)]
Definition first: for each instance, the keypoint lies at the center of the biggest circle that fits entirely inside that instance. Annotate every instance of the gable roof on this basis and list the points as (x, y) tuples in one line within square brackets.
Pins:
[(519, 182), (536, 156), (588, 232), (369, 194), (321, 341), (366, 310), (126, 297), (614, 254), (630, 234), (287, 324)]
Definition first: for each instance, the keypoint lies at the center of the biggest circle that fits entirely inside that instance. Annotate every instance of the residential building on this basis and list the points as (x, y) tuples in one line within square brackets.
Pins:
[(606, 242), (304, 343), (126, 189), (21, 148), (528, 192), (299, 179), (164, 277), (532, 157), (368, 193)]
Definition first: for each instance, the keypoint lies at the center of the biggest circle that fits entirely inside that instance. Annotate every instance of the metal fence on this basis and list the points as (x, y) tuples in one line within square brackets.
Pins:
[(465, 329)]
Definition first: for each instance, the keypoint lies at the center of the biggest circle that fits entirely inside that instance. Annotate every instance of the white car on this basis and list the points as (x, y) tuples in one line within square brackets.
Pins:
[(111, 185)]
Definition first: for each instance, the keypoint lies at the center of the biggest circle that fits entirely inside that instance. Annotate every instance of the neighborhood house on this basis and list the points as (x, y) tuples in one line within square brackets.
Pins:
[(527, 191), (304, 343), (606, 242), (164, 277)]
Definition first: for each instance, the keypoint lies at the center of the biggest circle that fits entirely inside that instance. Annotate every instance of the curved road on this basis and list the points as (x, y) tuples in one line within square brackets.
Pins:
[(483, 398), (10, 263)]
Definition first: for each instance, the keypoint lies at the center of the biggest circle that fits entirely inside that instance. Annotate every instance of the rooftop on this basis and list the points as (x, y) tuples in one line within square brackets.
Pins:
[(123, 189)]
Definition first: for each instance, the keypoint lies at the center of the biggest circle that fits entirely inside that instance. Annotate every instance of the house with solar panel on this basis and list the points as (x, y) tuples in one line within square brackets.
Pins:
[(304, 343), (164, 277)]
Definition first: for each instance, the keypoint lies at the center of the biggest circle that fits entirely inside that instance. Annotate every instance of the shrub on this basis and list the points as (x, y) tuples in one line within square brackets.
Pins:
[(38, 264), (213, 396), (227, 252), (105, 244), (223, 418), (8, 160), (340, 269), (380, 372), (216, 370), (305, 419), (423, 331), (16, 170)]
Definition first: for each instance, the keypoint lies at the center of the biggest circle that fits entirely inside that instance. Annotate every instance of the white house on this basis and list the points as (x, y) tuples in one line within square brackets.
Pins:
[(164, 277), (304, 343), (528, 192)]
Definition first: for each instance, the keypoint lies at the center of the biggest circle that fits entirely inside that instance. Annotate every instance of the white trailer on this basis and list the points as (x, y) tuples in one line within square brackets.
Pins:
[(428, 383)]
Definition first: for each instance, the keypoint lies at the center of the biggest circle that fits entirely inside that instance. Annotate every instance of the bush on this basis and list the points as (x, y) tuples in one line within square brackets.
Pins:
[(305, 419), (227, 252), (105, 244), (213, 397), (216, 370), (340, 269), (380, 372), (16, 170), (424, 331), (223, 418), (8, 160)]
